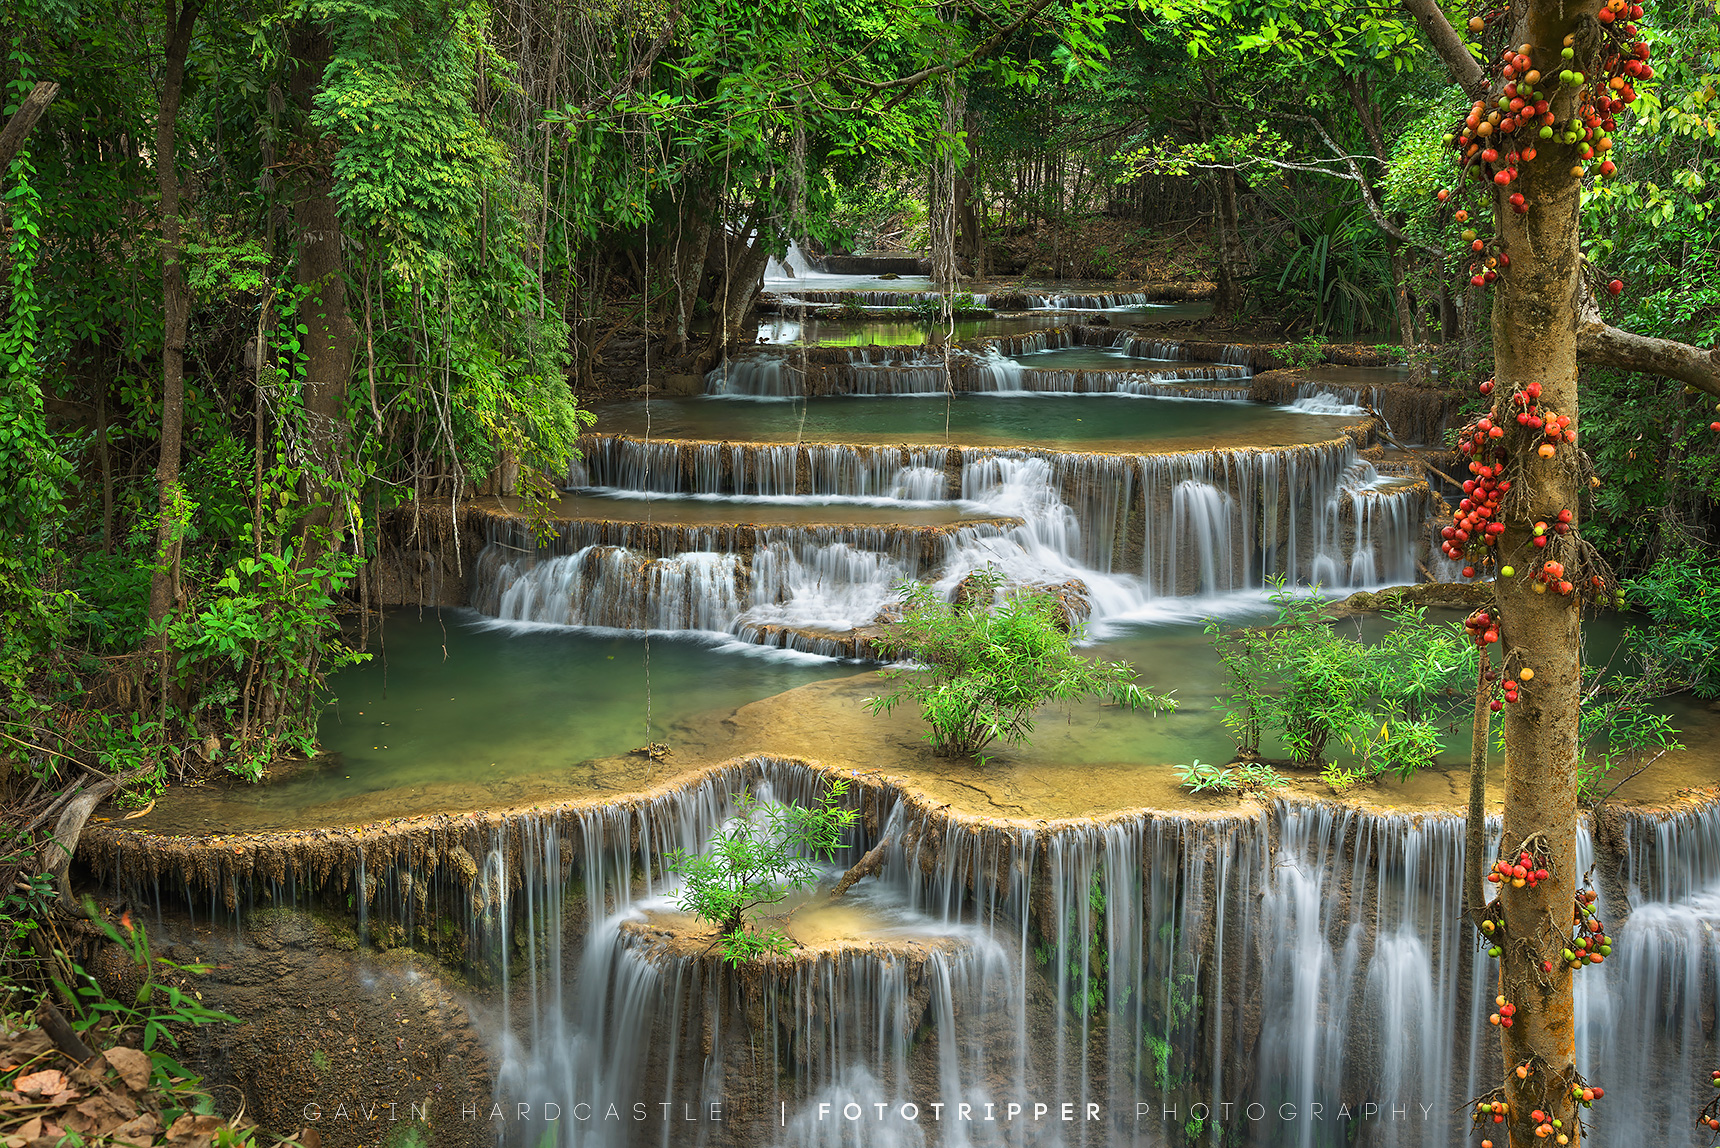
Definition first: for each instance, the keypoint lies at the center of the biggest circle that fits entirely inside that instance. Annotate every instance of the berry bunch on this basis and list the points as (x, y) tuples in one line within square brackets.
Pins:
[(1589, 943), (1594, 81), (1526, 870)]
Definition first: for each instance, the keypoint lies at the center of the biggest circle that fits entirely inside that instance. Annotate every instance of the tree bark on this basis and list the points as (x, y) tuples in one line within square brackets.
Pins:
[(23, 120), (176, 306), (689, 264), (1535, 341), (1449, 46), (1607, 346), (1475, 829), (970, 242), (332, 340), (943, 207), (1232, 259)]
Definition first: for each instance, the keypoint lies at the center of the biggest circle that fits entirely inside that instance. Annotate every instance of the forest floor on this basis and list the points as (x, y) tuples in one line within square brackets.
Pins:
[(1105, 247)]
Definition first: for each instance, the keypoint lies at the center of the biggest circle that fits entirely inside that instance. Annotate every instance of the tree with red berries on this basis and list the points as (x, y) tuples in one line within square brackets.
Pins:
[(1557, 82)]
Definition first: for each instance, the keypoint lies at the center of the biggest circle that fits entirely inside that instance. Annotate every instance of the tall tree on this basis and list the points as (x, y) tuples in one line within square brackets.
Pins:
[(180, 21), (1530, 160), (321, 273)]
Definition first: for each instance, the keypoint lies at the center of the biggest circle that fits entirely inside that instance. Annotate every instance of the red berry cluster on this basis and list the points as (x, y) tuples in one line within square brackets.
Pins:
[(1506, 1010), (1502, 132), (1524, 871), (1483, 629), (1709, 1120)]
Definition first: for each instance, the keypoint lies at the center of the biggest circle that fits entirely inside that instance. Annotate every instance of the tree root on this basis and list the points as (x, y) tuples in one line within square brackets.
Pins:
[(57, 852), (867, 866)]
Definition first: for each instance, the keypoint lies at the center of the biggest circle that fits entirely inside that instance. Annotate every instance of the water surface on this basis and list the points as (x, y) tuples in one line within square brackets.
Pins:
[(1102, 422)]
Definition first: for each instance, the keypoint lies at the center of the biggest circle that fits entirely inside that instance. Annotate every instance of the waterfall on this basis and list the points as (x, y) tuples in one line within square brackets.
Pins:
[(793, 265), (1117, 530), (1290, 973), (612, 587), (1085, 302)]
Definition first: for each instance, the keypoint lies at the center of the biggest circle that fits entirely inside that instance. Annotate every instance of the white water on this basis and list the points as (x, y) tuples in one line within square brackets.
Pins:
[(1216, 523), (1310, 960)]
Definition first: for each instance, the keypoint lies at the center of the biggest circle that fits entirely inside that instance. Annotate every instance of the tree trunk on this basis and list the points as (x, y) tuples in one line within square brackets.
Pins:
[(1228, 297), (333, 338), (1373, 126), (689, 265), (176, 307), (736, 293), (1535, 341), (23, 120), (943, 208), (1231, 259), (970, 231)]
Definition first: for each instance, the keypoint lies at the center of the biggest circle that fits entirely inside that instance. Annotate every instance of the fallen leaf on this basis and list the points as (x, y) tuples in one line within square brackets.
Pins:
[(138, 1133), (134, 1067), (47, 1081), (193, 1131)]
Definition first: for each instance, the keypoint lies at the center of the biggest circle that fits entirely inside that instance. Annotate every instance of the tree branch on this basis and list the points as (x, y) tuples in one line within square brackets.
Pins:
[(985, 47), (18, 127), (1603, 345), (1449, 46)]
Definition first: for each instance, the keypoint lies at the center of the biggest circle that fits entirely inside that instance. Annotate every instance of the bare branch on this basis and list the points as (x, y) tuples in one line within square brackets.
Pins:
[(1600, 344), (1449, 46)]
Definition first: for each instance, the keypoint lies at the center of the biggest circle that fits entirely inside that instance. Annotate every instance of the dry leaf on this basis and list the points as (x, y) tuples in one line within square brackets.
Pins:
[(46, 1082), (32, 1128), (133, 1066), (193, 1131), (309, 1137), (98, 1116), (138, 1133)]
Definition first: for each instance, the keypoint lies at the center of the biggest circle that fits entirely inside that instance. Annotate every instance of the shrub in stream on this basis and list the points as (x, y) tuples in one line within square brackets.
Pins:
[(1304, 682), (761, 855), (982, 668)]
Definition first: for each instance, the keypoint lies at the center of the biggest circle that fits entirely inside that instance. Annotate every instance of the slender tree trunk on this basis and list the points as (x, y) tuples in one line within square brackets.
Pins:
[(969, 226), (1535, 341), (1373, 126), (689, 264), (333, 339), (1231, 259), (176, 307), (22, 121), (943, 208)]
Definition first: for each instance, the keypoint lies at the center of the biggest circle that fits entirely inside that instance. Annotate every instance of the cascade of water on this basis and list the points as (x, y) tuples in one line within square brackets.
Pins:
[(793, 264), (1206, 523), (764, 376), (612, 587), (1322, 399), (1306, 959), (1085, 302), (998, 372)]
